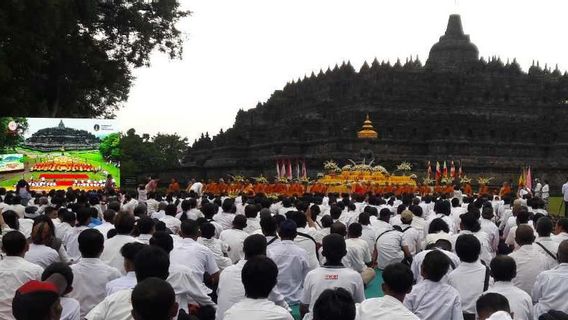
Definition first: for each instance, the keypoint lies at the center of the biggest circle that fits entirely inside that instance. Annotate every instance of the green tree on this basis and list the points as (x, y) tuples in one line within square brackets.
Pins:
[(74, 58), (10, 140), (110, 146)]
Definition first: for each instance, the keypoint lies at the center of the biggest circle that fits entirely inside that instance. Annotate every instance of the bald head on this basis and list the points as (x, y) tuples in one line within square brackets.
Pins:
[(563, 252), (524, 235)]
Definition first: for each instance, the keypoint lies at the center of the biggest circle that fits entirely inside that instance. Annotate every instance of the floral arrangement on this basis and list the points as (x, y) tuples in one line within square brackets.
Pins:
[(465, 179), (446, 180), (413, 176), (261, 179), (484, 180), (330, 165), (347, 167), (320, 175), (283, 179), (238, 178), (404, 166), (305, 180), (380, 169), (427, 181)]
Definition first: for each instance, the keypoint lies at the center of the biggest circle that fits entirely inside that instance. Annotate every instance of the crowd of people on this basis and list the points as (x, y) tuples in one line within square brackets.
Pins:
[(197, 255)]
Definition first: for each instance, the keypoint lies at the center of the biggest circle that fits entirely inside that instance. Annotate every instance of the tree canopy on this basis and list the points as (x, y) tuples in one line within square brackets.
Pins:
[(9, 140), (74, 58)]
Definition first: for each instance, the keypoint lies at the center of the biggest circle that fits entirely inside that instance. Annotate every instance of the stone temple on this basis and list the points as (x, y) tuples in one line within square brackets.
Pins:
[(489, 114), (62, 137)]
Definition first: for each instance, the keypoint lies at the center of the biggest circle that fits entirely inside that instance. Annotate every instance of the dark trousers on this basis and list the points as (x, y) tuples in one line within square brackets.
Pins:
[(565, 208)]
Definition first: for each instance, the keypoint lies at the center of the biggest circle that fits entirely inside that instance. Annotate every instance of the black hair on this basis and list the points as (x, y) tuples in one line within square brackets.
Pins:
[(563, 223), (61, 268), (254, 245), (544, 227), (327, 221), (470, 222), (355, 230), (336, 304), (152, 261), (13, 243), (438, 225), (300, 219), (335, 212), (384, 214), (130, 250), (416, 210), (338, 228), (190, 228), (435, 265), (468, 248), (259, 276), (153, 299), (163, 240), (239, 222), (398, 277), (145, 225), (364, 218), (91, 243), (251, 211), (114, 205), (109, 215), (334, 248), (228, 205), (11, 219), (207, 230), (523, 216), (171, 210), (503, 268), (124, 223), (268, 226), (492, 302)]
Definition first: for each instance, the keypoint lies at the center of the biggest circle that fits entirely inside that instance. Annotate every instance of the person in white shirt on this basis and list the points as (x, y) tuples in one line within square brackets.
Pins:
[(14, 270), (443, 245), (189, 210), (68, 221), (71, 310), (470, 225), (336, 304), (160, 213), (108, 222), (544, 243), (442, 210), (503, 271), (146, 227), (170, 219), (551, 287), (305, 237), (218, 247), (124, 224), (292, 262), (259, 276), (410, 235), (367, 232), (152, 204), (494, 306), (545, 193), (70, 241), (129, 203), (194, 255), (565, 197), (152, 299), (437, 230), (490, 228), (382, 224), (197, 187), (226, 216), (530, 263), (418, 222), (332, 275), (39, 252), (128, 281), (234, 238), (389, 247), (397, 282), (522, 219), (230, 289), (432, 299), (358, 255), (470, 278), (253, 223), (561, 230), (91, 274)]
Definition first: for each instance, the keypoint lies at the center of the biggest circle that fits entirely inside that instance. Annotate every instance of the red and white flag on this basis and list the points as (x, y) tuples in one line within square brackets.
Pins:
[(304, 171), (298, 169), (283, 169), (529, 179), (429, 170), (289, 170), (278, 168), (445, 169), (452, 169), (438, 172), (460, 172)]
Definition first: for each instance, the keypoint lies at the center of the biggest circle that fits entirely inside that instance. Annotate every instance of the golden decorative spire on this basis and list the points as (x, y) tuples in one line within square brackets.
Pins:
[(367, 132)]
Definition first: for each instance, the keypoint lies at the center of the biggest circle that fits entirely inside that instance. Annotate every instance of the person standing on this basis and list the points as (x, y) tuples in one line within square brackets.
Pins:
[(565, 196), (545, 194)]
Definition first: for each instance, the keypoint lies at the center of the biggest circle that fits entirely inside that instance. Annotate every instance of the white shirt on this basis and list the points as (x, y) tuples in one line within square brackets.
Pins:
[(125, 282), (412, 238), (111, 253), (234, 239), (192, 214), (188, 286), (379, 226), (492, 232), (71, 310), (369, 235), (519, 301), (358, 254), (308, 245), (530, 263), (117, 306), (172, 223), (257, 309), (253, 224), (195, 256), (550, 290), (419, 258), (545, 191), (560, 237), (389, 248), (71, 241), (219, 249), (385, 308), (510, 240), (89, 283), (14, 272), (483, 238), (62, 229), (231, 290), (144, 238), (434, 301), (104, 228), (224, 219), (322, 278), (158, 215), (293, 266), (565, 191), (468, 279), (550, 245), (41, 255)]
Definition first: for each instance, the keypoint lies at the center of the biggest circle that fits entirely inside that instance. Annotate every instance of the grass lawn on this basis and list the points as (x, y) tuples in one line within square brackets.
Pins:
[(554, 206)]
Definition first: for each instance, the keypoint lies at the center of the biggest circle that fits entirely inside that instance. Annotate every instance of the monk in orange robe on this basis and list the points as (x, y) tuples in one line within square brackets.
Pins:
[(505, 189)]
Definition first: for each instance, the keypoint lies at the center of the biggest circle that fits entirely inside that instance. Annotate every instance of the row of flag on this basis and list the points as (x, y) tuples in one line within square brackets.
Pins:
[(443, 171), (284, 169), (525, 179)]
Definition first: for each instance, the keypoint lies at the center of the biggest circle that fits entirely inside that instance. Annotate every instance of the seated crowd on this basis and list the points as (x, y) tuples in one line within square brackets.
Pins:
[(93, 255)]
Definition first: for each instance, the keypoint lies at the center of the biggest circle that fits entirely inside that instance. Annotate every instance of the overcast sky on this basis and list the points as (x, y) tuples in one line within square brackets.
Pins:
[(236, 53)]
